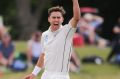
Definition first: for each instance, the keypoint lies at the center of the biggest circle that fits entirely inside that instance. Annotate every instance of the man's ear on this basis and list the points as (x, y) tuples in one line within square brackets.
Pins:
[(48, 19), (63, 19)]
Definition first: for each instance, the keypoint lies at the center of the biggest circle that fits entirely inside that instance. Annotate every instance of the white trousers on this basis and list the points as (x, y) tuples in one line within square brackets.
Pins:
[(54, 75)]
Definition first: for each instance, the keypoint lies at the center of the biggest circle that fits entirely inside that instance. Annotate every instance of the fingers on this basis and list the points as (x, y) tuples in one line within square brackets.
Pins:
[(31, 76), (27, 77)]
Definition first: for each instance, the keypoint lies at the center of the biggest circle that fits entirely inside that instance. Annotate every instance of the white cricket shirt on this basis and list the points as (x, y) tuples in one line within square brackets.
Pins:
[(57, 47)]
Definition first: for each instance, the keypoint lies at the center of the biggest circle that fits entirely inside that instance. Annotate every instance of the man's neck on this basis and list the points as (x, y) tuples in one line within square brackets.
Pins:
[(54, 28)]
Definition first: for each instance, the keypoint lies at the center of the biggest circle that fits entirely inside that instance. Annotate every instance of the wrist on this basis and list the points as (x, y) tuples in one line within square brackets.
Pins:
[(36, 70), (33, 76)]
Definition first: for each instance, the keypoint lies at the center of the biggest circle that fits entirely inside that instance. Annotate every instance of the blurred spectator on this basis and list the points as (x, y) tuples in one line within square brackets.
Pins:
[(2, 28), (115, 52), (88, 25), (74, 62), (34, 48), (78, 39), (6, 50)]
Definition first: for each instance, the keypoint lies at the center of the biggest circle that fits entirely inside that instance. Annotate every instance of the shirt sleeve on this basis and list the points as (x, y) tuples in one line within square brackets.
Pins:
[(69, 30)]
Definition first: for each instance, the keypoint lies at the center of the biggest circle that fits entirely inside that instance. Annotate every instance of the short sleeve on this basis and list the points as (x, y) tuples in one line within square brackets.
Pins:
[(69, 30)]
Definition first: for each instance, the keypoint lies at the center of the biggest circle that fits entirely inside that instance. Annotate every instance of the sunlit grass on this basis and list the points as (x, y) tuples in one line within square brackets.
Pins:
[(88, 71)]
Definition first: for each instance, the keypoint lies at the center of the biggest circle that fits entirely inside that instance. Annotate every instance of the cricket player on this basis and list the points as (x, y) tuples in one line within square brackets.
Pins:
[(57, 45)]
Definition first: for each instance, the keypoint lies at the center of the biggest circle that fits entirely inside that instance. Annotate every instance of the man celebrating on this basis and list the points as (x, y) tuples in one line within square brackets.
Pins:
[(57, 44)]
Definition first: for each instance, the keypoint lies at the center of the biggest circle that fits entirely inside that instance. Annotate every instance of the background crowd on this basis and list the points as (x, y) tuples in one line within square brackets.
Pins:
[(85, 35), (91, 31)]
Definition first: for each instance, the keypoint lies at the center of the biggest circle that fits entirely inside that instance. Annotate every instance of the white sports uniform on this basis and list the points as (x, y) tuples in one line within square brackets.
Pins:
[(57, 47)]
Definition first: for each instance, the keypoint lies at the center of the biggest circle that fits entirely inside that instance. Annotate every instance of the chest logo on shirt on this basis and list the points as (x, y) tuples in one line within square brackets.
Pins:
[(46, 38)]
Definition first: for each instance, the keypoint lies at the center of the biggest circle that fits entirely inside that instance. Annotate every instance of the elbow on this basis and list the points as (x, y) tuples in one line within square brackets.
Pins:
[(77, 19)]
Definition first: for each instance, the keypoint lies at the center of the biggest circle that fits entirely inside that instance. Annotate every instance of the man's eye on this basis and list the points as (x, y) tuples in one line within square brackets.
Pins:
[(58, 17), (53, 17)]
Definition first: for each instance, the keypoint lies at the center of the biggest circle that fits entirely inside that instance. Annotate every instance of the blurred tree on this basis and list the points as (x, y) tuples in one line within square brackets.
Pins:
[(29, 16), (8, 12), (25, 16)]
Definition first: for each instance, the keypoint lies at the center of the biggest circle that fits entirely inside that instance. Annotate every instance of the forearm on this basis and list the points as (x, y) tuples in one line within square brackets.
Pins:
[(29, 56), (3, 61), (40, 61), (39, 65), (76, 14), (76, 59), (76, 10), (11, 58)]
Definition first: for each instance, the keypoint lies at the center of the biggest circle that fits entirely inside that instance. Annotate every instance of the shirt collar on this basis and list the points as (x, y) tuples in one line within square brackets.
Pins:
[(56, 30)]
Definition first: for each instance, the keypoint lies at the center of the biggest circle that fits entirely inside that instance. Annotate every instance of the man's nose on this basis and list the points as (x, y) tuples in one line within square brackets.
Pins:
[(56, 19)]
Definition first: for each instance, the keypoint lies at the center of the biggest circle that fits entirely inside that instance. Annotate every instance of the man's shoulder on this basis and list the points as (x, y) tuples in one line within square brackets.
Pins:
[(45, 32), (67, 26)]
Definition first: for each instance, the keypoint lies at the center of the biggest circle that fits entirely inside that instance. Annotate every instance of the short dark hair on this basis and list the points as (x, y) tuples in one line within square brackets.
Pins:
[(56, 9)]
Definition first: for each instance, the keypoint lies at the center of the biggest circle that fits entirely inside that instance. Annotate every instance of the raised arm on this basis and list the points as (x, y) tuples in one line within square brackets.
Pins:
[(76, 14)]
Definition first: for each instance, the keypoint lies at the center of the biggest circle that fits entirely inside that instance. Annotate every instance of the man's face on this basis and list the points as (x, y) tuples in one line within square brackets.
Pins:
[(55, 19)]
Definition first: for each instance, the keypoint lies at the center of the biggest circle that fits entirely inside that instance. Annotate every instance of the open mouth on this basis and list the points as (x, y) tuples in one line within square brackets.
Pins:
[(56, 24)]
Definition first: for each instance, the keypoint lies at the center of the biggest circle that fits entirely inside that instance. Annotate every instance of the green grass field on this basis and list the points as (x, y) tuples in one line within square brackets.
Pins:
[(88, 71)]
